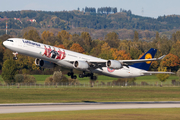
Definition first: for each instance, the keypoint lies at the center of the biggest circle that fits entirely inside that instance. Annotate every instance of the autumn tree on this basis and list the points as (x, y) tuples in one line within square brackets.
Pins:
[(120, 54), (77, 48), (96, 50), (171, 62), (60, 46), (112, 39), (46, 34), (124, 45), (64, 35), (87, 41), (105, 51), (32, 35)]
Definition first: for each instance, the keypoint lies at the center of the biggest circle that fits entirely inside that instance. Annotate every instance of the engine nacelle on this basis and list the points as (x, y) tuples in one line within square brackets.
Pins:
[(114, 64), (81, 65), (44, 64)]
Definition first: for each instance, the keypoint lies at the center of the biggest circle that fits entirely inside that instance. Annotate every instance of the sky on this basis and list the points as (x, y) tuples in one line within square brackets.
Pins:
[(150, 8)]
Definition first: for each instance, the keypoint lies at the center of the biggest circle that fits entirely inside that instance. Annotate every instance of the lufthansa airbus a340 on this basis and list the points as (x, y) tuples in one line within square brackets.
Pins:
[(47, 56)]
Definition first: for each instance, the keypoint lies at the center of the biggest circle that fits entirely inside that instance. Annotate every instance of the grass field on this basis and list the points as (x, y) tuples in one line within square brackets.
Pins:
[(72, 94), (149, 79), (121, 114)]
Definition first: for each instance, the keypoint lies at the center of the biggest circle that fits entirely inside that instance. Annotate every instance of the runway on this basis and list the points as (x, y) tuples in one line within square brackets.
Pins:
[(45, 107)]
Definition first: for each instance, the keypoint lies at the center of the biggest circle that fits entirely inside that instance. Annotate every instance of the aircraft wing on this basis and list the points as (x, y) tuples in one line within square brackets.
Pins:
[(155, 72), (131, 62), (102, 63)]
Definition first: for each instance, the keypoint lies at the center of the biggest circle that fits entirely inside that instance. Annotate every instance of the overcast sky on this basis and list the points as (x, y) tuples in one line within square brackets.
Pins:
[(151, 8)]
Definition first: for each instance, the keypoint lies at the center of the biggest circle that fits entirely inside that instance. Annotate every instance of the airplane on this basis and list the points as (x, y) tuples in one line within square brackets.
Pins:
[(47, 56)]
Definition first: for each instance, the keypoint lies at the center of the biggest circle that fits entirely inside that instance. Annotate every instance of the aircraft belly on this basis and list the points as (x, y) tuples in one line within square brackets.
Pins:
[(120, 73)]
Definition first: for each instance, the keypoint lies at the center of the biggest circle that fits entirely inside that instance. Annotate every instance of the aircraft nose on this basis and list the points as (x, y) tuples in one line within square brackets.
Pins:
[(5, 43)]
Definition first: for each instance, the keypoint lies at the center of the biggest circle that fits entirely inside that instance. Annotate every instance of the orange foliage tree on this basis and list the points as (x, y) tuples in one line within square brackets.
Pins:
[(60, 46), (120, 54), (77, 48), (171, 61)]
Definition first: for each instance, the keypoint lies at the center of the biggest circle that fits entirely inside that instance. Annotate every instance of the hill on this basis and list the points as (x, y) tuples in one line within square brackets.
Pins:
[(68, 20)]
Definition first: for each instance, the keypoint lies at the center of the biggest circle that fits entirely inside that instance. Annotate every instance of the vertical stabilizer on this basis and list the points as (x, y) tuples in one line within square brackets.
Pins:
[(146, 65)]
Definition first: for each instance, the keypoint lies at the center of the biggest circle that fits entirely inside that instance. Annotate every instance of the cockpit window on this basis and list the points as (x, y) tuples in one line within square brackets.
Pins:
[(10, 40)]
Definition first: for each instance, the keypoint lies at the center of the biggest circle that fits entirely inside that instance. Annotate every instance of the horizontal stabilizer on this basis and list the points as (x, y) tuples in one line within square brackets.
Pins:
[(155, 72)]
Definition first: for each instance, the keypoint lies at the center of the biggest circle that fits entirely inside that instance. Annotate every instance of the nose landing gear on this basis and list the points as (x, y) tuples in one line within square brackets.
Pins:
[(15, 55)]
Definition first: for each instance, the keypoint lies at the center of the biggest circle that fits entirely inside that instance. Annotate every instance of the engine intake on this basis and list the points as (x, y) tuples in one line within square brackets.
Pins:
[(114, 64), (81, 65), (44, 64)]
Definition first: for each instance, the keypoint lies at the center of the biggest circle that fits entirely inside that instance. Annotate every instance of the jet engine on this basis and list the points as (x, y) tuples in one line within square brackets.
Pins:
[(81, 65), (114, 64), (44, 64)]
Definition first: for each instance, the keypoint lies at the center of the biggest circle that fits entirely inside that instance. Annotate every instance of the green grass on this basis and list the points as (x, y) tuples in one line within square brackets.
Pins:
[(149, 79), (80, 94), (123, 114)]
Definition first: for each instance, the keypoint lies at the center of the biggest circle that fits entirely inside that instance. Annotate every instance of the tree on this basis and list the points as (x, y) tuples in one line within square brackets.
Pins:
[(135, 52), (9, 70), (64, 35), (87, 41), (112, 39), (120, 54), (60, 46), (19, 78), (175, 49), (32, 35), (46, 35), (1, 55), (171, 62), (57, 76), (136, 36), (162, 77), (77, 48), (105, 52)]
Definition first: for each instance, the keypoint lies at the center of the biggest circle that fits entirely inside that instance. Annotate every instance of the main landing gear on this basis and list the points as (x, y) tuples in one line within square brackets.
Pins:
[(91, 75), (15, 55), (72, 75)]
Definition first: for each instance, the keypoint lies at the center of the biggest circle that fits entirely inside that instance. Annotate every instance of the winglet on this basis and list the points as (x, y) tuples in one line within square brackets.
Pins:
[(162, 57)]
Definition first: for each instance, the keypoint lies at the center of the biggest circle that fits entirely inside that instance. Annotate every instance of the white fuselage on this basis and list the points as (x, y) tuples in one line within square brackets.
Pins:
[(36, 50)]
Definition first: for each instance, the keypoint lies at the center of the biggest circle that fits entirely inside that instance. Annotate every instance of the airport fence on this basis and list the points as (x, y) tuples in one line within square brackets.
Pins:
[(99, 85)]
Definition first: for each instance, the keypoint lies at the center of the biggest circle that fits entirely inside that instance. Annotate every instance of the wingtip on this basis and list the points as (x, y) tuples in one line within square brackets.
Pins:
[(162, 57)]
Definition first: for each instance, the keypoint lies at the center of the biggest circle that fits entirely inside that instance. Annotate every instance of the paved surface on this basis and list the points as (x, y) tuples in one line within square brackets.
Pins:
[(42, 107)]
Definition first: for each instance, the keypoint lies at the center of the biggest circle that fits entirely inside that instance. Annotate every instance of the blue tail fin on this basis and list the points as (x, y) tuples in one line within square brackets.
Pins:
[(146, 65)]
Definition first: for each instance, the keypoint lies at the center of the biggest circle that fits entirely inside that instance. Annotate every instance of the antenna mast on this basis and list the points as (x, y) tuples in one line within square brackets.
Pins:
[(6, 27)]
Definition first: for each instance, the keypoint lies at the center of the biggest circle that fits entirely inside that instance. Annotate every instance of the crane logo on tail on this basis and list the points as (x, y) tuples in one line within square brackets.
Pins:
[(148, 56)]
